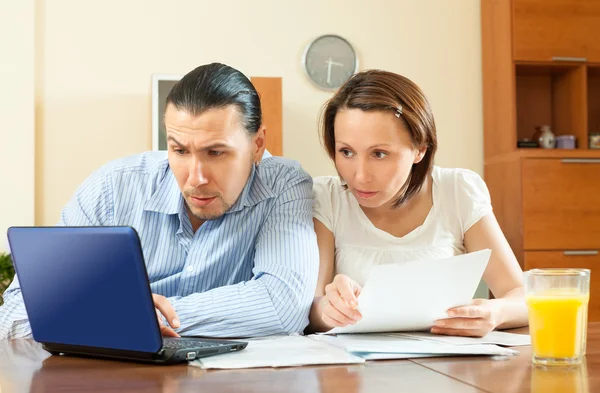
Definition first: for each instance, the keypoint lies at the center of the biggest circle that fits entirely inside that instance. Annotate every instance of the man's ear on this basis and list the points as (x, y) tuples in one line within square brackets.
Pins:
[(420, 155), (259, 143)]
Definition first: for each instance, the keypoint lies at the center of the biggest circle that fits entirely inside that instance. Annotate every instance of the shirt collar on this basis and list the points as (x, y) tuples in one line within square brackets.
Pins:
[(255, 191), (167, 198)]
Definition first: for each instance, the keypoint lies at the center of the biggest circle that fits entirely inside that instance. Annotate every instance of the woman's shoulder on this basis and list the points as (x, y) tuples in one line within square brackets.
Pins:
[(328, 187), (455, 174), (464, 192), (332, 202), (456, 181), (327, 181)]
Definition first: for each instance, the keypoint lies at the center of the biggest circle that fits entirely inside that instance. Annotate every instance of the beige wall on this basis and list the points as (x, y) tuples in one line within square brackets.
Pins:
[(95, 61), (17, 148)]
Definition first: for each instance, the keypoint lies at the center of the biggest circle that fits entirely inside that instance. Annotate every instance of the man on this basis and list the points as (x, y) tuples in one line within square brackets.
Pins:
[(228, 239)]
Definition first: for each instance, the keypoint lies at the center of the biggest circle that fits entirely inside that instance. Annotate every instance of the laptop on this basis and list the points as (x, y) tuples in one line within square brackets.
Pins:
[(87, 293)]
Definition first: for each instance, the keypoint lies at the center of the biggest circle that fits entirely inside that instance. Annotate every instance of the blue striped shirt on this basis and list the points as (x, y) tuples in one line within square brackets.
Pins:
[(251, 272)]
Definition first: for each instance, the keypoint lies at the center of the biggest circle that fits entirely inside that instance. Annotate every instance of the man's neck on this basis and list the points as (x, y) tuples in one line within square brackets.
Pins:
[(195, 221)]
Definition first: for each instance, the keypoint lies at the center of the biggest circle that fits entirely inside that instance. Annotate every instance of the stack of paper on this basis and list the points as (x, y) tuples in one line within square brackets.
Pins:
[(495, 337), (288, 351), (416, 345), (280, 351)]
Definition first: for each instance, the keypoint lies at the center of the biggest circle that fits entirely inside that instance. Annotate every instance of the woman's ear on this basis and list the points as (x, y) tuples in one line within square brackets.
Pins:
[(420, 154)]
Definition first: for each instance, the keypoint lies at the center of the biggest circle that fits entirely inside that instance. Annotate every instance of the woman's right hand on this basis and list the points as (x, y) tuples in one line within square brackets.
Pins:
[(340, 303)]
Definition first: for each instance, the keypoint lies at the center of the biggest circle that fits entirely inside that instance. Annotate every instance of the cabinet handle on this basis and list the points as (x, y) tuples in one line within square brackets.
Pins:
[(580, 160), (578, 59), (581, 252)]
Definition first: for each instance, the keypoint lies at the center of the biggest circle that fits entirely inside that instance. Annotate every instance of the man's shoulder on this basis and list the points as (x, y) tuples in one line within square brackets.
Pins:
[(146, 163), (279, 173), (135, 171)]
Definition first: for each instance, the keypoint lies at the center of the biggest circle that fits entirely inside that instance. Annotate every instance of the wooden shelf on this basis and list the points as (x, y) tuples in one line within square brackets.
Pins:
[(544, 153), (552, 94), (559, 153), (544, 67)]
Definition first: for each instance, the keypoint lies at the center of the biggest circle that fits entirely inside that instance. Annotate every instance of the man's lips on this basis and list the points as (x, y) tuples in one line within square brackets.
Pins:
[(202, 201)]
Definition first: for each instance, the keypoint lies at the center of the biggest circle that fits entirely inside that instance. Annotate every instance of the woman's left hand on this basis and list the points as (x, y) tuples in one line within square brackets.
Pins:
[(474, 320)]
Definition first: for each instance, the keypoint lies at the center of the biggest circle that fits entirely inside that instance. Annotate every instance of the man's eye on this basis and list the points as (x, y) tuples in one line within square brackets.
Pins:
[(215, 153), (179, 151)]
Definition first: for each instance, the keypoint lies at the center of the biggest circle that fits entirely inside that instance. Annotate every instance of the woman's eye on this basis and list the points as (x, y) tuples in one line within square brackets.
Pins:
[(346, 152), (380, 154)]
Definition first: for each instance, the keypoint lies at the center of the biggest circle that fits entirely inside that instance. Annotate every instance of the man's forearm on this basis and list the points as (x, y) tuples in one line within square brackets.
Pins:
[(266, 306)]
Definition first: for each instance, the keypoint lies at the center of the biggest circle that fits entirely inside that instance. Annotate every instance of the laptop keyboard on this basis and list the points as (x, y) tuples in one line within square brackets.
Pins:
[(182, 344)]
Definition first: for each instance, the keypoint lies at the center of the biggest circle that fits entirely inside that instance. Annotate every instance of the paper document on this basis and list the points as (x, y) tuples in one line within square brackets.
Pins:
[(387, 346), (280, 351), (410, 296), (495, 337)]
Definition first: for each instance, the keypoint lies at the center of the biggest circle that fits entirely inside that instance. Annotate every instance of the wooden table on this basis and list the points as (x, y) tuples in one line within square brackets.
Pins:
[(25, 367)]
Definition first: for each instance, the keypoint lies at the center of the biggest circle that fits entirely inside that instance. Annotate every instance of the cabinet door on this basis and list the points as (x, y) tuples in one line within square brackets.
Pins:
[(544, 30), (561, 204), (589, 259)]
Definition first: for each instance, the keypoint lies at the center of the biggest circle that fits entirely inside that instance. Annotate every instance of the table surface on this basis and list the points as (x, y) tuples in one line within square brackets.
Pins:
[(25, 367)]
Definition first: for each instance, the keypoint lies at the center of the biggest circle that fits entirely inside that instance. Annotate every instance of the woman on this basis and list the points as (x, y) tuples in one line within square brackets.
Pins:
[(391, 204)]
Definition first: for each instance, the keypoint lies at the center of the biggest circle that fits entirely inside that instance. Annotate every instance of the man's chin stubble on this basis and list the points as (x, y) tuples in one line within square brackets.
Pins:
[(207, 217)]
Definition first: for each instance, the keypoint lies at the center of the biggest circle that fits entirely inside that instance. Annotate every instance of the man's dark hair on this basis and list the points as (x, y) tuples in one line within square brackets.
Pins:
[(215, 86)]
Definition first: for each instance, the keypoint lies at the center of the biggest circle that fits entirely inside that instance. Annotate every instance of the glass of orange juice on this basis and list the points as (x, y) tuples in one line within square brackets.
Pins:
[(557, 300)]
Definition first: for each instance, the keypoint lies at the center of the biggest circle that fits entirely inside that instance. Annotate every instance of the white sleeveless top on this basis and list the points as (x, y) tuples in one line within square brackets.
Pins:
[(460, 199)]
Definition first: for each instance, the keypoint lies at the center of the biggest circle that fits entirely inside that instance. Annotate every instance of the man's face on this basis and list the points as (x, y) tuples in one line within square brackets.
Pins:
[(211, 156)]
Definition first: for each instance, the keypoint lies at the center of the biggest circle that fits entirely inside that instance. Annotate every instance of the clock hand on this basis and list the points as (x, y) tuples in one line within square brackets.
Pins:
[(329, 64)]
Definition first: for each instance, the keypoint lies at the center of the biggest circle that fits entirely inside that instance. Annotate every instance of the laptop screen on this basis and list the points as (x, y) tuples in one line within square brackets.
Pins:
[(85, 286)]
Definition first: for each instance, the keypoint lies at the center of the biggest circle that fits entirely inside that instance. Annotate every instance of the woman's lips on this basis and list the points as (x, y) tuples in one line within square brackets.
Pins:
[(365, 194)]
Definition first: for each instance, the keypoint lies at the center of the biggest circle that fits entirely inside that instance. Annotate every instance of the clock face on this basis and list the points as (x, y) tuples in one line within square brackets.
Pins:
[(329, 61)]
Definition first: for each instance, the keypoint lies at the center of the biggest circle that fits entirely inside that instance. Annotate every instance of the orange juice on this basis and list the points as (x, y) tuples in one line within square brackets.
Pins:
[(557, 323)]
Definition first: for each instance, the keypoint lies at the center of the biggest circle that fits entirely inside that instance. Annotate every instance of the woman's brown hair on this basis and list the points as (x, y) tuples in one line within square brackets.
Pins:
[(376, 90)]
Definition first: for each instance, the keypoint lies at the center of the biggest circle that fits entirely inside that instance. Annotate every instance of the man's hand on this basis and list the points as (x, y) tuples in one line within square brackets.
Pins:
[(164, 308)]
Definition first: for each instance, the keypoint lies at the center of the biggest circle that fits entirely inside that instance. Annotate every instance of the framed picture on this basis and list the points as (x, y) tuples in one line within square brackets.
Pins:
[(161, 86)]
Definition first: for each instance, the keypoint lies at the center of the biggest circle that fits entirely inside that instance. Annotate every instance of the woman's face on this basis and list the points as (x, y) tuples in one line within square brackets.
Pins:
[(374, 154)]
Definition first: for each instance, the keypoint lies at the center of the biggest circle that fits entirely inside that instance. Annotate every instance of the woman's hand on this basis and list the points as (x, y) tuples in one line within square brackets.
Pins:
[(338, 306), (474, 320)]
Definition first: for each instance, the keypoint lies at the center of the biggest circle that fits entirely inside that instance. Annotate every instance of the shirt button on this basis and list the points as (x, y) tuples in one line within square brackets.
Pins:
[(190, 269)]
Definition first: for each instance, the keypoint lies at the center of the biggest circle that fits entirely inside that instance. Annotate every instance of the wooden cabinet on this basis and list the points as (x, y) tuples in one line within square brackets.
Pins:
[(524, 85), (541, 66), (549, 210), (545, 30), (585, 259), (561, 203)]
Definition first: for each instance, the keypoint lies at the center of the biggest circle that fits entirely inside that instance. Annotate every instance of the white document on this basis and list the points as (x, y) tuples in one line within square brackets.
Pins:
[(481, 350), (495, 337), (280, 351), (410, 296), (385, 346)]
